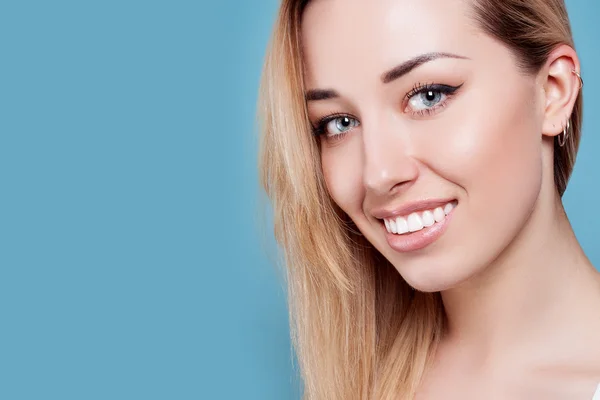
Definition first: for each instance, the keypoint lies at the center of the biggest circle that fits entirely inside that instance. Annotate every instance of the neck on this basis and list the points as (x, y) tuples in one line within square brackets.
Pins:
[(542, 289)]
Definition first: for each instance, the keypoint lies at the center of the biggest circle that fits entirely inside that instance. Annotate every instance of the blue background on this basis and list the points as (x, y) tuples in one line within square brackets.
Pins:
[(132, 260)]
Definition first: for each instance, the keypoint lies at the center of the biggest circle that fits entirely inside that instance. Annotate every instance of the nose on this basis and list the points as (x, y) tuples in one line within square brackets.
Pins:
[(389, 162)]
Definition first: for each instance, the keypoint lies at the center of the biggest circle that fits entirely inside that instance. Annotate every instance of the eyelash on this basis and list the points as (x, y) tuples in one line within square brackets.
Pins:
[(322, 123), (419, 88), (438, 88)]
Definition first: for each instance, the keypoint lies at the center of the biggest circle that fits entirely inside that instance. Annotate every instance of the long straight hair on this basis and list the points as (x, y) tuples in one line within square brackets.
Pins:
[(359, 330)]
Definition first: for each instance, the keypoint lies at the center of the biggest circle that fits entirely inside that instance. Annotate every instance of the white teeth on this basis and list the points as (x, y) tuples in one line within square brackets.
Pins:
[(415, 223), (393, 227), (439, 214), (428, 219), (448, 208), (402, 225)]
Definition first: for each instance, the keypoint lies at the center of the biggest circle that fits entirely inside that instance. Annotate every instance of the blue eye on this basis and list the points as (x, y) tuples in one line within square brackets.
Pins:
[(426, 99), (335, 125), (340, 125)]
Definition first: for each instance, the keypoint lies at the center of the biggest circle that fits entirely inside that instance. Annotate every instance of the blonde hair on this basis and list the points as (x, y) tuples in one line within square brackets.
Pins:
[(359, 330)]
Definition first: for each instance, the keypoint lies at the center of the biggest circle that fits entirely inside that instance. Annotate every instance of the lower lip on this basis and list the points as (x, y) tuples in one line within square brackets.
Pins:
[(418, 240)]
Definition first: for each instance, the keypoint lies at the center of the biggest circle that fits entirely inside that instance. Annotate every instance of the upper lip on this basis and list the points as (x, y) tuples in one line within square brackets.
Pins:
[(410, 207)]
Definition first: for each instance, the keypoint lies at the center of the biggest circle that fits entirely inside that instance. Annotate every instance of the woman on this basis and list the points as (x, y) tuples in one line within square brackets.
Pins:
[(416, 154)]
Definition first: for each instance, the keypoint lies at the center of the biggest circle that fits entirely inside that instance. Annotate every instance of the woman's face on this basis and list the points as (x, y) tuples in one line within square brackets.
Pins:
[(423, 109)]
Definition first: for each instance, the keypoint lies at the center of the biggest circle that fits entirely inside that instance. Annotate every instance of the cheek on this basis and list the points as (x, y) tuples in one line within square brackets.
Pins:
[(492, 145), (495, 156), (343, 176), (504, 155)]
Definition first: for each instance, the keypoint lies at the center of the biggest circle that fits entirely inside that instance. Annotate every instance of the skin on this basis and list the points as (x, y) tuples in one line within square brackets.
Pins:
[(521, 297)]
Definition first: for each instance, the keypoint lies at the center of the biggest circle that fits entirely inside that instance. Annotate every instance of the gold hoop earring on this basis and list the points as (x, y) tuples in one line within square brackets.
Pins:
[(564, 134), (580, 78)]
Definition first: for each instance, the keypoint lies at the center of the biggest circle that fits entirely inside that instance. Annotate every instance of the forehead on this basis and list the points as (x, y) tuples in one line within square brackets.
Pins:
[(343, 38)]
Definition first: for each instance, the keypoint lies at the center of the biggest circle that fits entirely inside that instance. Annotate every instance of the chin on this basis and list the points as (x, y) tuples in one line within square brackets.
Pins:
[(435, 276)]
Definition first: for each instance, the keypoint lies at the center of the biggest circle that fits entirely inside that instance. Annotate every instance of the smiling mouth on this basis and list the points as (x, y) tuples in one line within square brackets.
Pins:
[(418, 221)]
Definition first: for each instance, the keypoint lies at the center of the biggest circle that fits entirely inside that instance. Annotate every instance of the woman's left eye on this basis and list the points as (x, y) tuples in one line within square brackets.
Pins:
[(427, 98)]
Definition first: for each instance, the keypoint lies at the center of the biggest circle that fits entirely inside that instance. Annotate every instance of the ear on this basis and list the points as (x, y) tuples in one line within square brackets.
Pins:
[(561, 88)]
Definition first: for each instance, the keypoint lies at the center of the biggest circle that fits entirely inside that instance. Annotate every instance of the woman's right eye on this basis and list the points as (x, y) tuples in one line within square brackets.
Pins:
[(336, 126)]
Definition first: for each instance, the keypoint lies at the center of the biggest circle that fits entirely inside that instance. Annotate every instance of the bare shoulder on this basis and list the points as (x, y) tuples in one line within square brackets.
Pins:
[(452, 384), (568, 373), (597, 393)]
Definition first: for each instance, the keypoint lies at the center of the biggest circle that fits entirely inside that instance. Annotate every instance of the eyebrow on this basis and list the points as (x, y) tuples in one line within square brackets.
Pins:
[(321, 94), (407, 66), (393, 74)]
